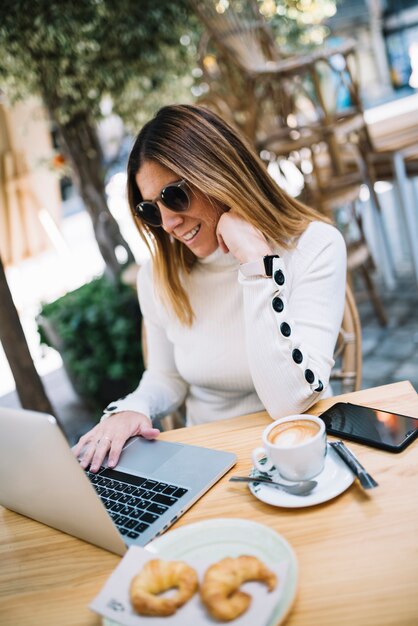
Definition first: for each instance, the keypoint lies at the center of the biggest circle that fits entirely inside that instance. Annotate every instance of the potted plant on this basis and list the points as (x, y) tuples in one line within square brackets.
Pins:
[(97, 331)]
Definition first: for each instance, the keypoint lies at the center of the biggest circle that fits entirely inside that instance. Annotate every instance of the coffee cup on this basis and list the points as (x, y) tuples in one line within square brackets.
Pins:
[(295, 445)]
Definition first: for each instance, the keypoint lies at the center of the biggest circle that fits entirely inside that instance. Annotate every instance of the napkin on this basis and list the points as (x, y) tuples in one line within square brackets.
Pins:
[(113, 600)]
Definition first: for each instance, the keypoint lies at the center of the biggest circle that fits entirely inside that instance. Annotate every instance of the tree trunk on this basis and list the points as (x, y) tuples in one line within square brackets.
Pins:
[(82, 148), (29, 386)]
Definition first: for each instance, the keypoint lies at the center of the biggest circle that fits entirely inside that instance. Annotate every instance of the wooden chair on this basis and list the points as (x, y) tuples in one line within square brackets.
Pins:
[(281, 105), (348, 351), (335, 195)]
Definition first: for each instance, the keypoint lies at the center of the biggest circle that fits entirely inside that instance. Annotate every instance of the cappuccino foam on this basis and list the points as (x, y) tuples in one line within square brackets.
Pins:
[(293, 433)]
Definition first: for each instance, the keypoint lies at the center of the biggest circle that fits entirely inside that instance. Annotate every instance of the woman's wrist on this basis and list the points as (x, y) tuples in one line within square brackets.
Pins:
[(255, 252), (137, 416)]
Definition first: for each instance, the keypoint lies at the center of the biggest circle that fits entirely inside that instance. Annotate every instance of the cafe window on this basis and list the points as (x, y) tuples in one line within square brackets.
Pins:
[(401, 35)]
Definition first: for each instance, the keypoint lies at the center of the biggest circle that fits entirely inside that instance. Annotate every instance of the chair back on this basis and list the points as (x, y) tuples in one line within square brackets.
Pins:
[(348, 350), (240, 31)]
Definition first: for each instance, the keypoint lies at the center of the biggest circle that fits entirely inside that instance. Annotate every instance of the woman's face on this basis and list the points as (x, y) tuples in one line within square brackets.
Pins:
[(196, 227)]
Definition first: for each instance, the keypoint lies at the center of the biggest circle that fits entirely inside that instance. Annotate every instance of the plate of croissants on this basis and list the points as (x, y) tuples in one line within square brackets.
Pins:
[(211, 572)]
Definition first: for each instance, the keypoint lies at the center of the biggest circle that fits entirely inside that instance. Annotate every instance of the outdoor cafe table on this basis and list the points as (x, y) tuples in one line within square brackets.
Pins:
[(357, 554), (393, 127)]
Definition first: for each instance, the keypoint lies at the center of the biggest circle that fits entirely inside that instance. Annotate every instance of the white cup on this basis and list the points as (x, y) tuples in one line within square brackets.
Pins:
[(295, 445)]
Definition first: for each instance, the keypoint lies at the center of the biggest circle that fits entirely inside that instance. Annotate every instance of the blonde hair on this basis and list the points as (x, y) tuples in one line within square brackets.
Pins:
[(202, 149)]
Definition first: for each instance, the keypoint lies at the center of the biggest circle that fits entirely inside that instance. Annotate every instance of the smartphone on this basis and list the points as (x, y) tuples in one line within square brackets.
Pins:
[(371, 427)]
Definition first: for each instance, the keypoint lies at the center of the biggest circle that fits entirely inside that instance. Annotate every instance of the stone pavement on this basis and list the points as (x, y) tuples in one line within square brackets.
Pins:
[(390, 354)]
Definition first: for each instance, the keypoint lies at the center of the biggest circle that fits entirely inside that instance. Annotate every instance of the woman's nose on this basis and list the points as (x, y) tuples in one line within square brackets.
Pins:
[(170, 219)]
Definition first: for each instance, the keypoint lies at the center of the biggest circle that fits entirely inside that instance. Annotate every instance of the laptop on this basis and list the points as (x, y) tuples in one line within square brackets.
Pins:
[(153, 484)]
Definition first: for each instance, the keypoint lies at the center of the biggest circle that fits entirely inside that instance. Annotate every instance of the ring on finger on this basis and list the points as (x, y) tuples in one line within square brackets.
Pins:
[(102, 439)]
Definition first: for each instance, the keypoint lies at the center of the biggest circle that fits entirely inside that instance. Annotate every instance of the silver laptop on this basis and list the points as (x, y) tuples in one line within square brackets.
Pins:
[(152, 485)]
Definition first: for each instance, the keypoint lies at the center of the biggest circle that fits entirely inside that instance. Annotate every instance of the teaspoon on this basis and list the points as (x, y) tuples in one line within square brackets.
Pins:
[(297, 489)]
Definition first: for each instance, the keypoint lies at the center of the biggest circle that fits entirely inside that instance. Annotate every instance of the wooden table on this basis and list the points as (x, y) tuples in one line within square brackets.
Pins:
[(394, 125), (393, 128), (358, 553)]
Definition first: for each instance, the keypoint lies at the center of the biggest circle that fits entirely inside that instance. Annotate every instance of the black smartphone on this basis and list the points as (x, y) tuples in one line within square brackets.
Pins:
[(372, 427)]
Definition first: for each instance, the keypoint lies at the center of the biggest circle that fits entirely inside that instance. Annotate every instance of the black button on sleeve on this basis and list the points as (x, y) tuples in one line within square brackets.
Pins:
[(285, 329), (309, 376), (277, 304), (320, 386), (111, 408), (297, 356), (279, 277)]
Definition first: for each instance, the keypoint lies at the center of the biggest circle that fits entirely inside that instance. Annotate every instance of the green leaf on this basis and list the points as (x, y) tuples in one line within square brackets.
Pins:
[(98, 327)]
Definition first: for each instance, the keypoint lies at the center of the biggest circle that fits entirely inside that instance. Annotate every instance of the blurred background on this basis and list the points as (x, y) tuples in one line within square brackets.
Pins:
[(325, 90)]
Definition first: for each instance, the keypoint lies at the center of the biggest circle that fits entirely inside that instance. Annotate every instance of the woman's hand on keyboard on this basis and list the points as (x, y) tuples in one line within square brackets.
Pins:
[(109, 437)]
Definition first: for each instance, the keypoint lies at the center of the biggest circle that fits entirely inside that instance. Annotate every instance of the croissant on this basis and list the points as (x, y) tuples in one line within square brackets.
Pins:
[(156, 577), (220, 588)]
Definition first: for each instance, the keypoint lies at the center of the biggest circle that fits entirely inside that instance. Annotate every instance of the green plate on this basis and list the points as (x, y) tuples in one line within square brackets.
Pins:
[(218, 538)]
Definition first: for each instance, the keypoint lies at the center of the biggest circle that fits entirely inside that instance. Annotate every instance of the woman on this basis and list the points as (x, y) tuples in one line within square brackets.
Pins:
[(244, 295)]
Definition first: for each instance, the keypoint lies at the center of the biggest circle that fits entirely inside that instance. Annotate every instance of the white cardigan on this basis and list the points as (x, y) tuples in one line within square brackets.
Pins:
[(255, 343)]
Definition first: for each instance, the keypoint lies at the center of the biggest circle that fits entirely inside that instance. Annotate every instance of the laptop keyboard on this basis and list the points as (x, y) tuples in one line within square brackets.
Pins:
[(133, 502)]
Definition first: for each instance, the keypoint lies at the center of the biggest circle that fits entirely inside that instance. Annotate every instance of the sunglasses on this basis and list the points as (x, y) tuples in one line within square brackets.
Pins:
[(174, 196)]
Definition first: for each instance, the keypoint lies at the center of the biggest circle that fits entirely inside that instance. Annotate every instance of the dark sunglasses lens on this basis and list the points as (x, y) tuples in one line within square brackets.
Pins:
[(175, 198), (149, 213)]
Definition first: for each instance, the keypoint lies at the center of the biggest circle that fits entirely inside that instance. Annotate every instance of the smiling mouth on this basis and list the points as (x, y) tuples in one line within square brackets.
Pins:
[(191, 234)]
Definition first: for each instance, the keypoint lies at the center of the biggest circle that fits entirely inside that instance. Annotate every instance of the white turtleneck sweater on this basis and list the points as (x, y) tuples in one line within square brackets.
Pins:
[(238, 356)]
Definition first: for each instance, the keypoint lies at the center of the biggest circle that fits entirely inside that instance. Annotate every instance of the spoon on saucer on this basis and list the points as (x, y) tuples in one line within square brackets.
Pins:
[(297, 489)]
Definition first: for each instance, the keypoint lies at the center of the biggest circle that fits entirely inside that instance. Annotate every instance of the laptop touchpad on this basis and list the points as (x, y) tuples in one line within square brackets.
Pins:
[(142, 455)]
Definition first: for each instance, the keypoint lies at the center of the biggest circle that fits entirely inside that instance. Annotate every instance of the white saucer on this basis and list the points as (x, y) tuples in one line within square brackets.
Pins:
[(335, 478)]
